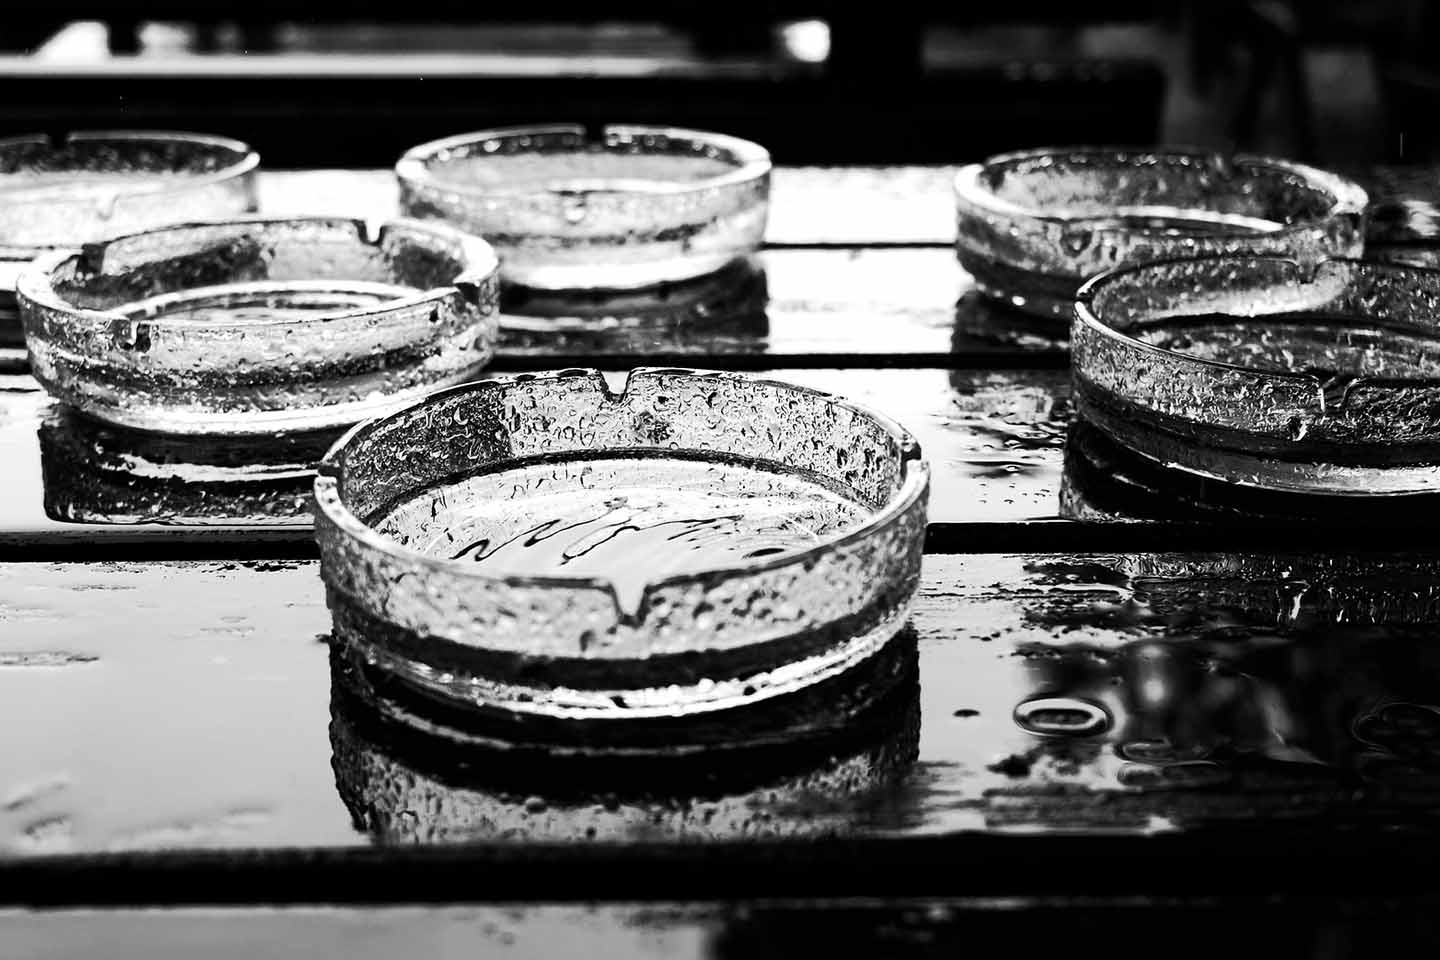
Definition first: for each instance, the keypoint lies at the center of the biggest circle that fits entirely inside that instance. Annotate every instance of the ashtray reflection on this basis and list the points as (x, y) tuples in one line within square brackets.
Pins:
[(105, 474), (414, 770), (1103, 481), (987, 324), (724, 310)]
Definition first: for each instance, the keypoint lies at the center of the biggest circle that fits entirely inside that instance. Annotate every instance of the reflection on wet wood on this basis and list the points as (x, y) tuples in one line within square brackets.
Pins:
[(994, 438), (1148, 694), (1006, 456)]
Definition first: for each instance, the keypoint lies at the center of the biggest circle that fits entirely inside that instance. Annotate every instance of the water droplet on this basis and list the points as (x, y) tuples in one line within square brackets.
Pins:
[(574, 207), (1077, 241), (1062, 717), (1191, 774), (1158, 751)]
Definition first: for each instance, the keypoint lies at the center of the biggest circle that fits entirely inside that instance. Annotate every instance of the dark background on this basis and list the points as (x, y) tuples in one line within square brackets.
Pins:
[(354, 83)]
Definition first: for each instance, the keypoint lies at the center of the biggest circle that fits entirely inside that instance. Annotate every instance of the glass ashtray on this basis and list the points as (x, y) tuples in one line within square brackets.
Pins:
[(636, 207), (62, 193), (258, 325), (696, 541), (1033, 226), (1302, 377)]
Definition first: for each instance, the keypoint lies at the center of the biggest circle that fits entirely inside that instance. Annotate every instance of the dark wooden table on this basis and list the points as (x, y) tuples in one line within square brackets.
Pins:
[(1265, 746)]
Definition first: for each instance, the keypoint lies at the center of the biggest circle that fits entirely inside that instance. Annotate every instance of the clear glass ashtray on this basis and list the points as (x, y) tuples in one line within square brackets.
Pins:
[(634, 207), (62, 193), (1319, 378), (696, 541), (259, 325), (1033, 226), (90, 185)]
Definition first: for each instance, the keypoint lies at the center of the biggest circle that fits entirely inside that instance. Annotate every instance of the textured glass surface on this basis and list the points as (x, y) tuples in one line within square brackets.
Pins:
[(258, 325), (1267, 372), (1033, 226), (89, 186), (638, 206), (697, 541)]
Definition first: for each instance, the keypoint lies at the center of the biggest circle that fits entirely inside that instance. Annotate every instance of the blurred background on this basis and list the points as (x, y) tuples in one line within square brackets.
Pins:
[(353, 83)]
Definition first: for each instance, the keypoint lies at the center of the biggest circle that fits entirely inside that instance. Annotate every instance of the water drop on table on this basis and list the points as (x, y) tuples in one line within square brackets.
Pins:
[(1062, 717)]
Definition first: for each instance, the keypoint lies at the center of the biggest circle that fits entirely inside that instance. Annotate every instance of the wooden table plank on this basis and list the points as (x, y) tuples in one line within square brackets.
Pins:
[(861, 205), (929, 927), (1224, 692), (911, 295), (845, 206), (817, 303), (544, 932), (876, 306), (994, 439)]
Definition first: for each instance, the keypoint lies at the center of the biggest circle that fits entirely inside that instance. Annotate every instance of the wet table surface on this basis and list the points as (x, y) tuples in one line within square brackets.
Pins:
[(1115, 684)]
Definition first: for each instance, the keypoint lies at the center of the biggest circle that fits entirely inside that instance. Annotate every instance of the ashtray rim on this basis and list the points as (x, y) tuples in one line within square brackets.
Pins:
[(1086, 316), (34, 283), (915, 473), (753, 160), (248, 163), (1348, 197)]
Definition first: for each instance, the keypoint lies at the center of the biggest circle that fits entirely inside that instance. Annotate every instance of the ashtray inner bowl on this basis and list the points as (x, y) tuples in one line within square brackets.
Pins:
[(635, 207), (260, 325), (1033, 226), (695, 542), (1321, 378)]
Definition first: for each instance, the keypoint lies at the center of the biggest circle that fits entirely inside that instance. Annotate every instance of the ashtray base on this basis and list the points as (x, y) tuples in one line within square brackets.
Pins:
[(1259, 470), (377, 643)]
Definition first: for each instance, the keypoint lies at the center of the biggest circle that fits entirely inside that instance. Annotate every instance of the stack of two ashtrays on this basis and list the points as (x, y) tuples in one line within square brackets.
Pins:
[(184, 333), (1223, 322)]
